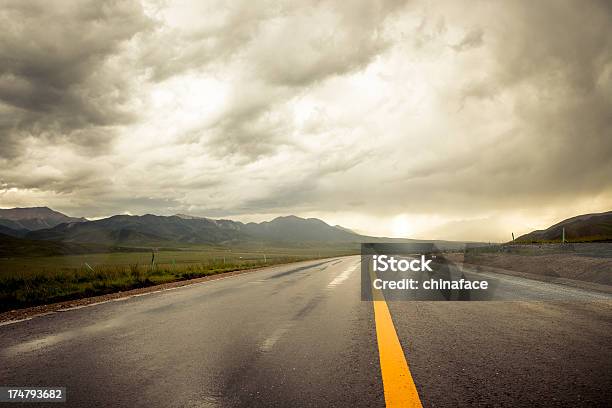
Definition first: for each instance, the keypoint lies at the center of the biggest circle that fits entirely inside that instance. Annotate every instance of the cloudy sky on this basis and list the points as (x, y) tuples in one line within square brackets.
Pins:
[(445, 119)]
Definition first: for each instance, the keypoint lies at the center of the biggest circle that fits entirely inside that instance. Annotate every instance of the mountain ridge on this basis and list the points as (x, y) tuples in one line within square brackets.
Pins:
[(158, 229), (151, 230), (580, 228), (33, 218)]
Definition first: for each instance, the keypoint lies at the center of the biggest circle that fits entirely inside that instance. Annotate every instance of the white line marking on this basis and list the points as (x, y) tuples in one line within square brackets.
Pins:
[(39, 343), (17, 321), (341, 278), (274, 337)]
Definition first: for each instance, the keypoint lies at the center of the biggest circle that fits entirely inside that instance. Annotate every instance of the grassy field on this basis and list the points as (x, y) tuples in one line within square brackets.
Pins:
[(40, 280)]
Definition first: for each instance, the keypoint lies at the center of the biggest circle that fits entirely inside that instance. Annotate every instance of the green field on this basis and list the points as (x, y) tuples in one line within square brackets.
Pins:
[(40, 280)]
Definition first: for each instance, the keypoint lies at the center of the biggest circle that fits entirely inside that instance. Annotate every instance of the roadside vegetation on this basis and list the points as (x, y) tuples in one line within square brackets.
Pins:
[(34, 281)]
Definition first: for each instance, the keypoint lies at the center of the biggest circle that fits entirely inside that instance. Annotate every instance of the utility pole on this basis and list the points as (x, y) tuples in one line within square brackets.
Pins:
[(563, 236), (513, 237)]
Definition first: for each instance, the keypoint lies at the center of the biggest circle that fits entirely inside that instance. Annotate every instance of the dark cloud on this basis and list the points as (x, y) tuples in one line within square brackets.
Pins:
[(60, 75), (251, 129), (287, 43), (321, 39), (207, 34), (248, 137), (559, 68), (471, 39), (292, 195)]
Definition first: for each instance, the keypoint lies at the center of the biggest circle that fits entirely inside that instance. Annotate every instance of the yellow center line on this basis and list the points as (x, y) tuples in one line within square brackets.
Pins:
[(398, 384)]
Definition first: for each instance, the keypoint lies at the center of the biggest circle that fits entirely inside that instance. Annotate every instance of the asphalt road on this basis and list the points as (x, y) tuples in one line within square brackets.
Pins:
[(299, 335)]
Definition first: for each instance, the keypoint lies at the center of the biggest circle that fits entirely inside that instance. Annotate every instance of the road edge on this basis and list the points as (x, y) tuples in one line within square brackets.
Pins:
[(18, 315)]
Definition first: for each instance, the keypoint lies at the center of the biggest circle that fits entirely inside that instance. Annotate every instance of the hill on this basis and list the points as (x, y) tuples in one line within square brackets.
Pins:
[(582, 228), (33, 218), (296, 229), (20, 233)]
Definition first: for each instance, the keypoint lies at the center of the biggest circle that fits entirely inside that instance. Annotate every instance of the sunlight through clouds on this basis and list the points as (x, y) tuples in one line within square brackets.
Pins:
[(394, 118)]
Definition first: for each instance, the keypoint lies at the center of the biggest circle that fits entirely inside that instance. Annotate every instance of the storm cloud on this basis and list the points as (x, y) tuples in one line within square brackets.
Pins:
[(62, 76), (394, 118)]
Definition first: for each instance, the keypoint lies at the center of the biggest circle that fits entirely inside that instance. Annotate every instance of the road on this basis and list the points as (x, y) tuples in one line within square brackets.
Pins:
[(299, 335)]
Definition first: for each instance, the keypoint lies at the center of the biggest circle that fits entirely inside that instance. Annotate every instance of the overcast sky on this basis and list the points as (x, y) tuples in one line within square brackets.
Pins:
[(458, 120)]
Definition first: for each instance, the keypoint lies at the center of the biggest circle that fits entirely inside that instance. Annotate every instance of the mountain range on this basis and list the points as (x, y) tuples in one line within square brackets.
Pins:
[(41, 230), (125, 232), (165, 230)]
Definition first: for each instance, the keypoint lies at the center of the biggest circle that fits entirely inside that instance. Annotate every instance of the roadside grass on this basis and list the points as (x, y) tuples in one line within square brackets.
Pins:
[(34, 281)]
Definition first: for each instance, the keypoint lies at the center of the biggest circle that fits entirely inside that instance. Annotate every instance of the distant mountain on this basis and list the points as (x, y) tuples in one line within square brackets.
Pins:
[(42, 231), (340, 227), (289, 228), (147, 229), (582, 228), (33, 218), (296, 229), (190, 217), (162, 230), (155, 230)]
